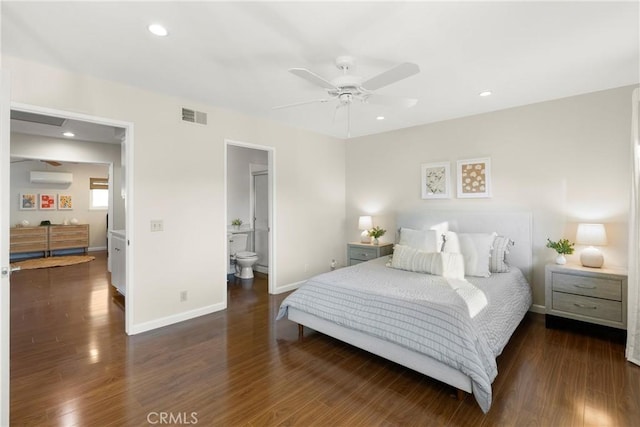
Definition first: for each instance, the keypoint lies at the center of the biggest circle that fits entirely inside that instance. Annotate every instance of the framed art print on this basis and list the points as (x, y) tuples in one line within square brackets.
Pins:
[(47, 202), (28, 201), (474, 178), (65, 202), (436, 180)]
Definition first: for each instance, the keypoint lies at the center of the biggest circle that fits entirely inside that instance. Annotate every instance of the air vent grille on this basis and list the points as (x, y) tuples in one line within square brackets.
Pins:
[(193, 116), (37, 118)]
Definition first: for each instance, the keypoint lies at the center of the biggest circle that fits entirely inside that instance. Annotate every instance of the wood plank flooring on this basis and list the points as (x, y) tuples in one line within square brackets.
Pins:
[(72, 364)]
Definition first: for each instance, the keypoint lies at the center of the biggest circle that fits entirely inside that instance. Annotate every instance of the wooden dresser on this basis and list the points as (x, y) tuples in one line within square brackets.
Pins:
[(48, 238), (28, 239), (68, 237)]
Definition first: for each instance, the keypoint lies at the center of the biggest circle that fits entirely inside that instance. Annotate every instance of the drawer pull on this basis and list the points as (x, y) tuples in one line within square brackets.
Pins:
[(364, 254), (585, 286), (593, 307)]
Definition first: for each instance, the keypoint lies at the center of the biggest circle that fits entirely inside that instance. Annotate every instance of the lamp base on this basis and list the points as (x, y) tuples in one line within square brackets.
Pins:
[(364, 237), (591, 257)]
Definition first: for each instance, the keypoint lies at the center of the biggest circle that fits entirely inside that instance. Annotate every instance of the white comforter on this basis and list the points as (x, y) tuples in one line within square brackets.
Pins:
[(422, 312)]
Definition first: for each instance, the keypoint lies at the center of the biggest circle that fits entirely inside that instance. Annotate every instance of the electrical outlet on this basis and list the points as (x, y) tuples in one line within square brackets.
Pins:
[(183, 296), (156, 225)]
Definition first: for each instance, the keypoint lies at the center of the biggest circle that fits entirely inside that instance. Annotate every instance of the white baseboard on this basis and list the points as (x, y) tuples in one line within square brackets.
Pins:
[(289, 287), (175, 318), (97, 248), (537, 308), (261, 269)]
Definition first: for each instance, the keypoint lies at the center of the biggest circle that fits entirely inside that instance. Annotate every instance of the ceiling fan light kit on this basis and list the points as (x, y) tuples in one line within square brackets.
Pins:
[(348, 87)]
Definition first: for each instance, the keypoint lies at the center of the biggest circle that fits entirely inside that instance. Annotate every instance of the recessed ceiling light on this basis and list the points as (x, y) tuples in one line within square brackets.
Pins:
[(69, 134), (485, 93), (380, 118), (158, 30)]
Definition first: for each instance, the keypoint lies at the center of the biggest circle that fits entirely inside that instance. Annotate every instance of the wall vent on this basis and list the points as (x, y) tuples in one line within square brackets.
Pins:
[(193, 116)]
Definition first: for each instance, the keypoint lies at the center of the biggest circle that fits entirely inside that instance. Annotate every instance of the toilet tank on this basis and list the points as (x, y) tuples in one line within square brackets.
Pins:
[(238, 243)]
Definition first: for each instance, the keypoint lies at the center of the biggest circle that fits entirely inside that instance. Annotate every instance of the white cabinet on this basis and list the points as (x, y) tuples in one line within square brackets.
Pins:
[(118, 261)]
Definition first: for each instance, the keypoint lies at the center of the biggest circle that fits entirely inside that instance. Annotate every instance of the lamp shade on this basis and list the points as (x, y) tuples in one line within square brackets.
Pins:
[(591, 235), (365, 223)]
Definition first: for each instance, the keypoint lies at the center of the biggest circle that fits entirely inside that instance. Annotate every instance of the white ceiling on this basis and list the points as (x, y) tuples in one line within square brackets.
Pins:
[(236, 54)]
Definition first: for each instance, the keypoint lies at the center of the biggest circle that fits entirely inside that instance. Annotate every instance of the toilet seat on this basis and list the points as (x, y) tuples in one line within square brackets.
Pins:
[(246, 254)]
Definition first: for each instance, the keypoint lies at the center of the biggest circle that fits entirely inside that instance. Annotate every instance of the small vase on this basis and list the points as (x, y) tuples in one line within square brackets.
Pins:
[(375, 241), (560, 259)]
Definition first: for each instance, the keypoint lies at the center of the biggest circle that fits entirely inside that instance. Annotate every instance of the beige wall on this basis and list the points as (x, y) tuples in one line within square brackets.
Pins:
[(178, 176), (566, 161)]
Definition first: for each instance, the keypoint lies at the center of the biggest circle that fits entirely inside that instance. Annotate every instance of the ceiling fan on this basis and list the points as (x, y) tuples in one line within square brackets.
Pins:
[(347, 88)]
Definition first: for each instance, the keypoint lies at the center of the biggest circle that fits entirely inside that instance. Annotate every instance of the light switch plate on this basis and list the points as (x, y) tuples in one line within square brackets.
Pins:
[(156, 225)]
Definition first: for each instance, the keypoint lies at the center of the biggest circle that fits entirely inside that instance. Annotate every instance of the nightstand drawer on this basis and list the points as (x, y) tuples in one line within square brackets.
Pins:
[(362, 254), (588, 286), (586, 306)]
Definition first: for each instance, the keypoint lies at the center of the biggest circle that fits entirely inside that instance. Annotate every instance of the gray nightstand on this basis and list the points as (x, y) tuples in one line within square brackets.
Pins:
[(361, 252), (594, 295)]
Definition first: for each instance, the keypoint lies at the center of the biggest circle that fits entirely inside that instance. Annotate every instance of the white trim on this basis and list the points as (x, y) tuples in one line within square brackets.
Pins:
[(271, 168), (5, 304), (537, 308), (289, 287), (176, 318)]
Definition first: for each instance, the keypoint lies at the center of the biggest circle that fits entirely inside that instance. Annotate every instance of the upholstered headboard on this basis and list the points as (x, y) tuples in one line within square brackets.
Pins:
[(515, 225)]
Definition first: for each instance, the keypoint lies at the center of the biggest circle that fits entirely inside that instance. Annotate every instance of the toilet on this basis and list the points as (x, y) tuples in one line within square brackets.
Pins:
[(244, 259)]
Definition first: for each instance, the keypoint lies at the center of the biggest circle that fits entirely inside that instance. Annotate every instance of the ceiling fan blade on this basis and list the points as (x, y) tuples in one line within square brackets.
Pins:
[(295, 104), (390, 101), (52, 163), (399, 72), (312, 77)]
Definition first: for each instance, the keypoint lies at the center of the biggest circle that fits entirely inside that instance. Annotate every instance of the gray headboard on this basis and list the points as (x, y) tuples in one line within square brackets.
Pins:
[(515, 225)]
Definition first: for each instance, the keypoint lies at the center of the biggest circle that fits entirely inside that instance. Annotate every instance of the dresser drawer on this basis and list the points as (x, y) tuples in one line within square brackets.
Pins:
[(588, 286), (362, 254), (587, 306)]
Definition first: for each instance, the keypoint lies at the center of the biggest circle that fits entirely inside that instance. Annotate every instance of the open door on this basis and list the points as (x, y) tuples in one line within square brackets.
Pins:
[(5, 272)]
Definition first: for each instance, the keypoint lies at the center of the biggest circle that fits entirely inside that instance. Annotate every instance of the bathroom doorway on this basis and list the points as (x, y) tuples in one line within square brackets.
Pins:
[(249, 189)]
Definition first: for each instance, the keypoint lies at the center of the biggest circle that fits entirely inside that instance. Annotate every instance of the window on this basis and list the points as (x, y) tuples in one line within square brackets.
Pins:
[(98, 193)]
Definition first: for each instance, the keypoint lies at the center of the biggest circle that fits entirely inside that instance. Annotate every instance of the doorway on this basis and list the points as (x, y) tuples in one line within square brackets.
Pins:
[(249, 190), (42, 127)]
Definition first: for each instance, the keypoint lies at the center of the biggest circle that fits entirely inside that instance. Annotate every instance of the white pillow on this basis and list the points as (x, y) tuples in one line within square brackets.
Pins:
[(424, 240), (476, 249), (498, 262), (449, 265)]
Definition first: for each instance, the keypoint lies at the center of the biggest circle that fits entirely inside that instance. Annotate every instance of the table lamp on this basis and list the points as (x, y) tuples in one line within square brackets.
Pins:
[(365, 223), (591, 235)]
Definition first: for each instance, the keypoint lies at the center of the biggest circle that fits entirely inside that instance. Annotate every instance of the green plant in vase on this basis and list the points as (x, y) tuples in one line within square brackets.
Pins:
[(376, 233), (562, 247), (236, 223)]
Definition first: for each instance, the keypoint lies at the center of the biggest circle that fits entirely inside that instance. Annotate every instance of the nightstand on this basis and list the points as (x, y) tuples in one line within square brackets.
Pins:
[(361, 252), (593, 295)]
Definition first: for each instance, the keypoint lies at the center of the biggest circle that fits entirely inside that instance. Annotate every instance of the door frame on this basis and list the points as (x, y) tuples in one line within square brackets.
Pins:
[(252, 204), (126, 148), (271, 170), (5, 211)]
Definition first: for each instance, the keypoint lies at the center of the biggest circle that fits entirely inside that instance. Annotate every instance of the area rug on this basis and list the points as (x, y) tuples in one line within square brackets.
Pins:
[(54, 261)]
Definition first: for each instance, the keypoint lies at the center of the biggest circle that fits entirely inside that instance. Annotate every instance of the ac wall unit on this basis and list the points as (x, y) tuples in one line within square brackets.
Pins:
[(51, 177)]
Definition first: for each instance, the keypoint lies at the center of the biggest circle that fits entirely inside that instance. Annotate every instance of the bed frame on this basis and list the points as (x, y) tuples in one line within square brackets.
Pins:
[(517, 226)]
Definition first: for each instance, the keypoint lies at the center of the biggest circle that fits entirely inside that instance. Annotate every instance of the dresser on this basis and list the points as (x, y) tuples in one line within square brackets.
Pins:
[(593, 295), (28, 239), (361, 252), (68, 237), (50, 238)]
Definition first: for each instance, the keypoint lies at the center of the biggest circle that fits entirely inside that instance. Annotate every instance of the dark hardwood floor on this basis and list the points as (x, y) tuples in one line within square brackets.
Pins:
[(72, 364)]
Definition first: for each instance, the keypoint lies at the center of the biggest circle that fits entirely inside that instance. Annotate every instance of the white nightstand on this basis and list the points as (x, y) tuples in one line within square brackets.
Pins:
[(361, 252), (594, 295)]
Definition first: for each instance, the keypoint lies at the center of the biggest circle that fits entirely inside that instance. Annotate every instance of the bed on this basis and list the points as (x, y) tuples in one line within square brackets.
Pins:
[(420, 320)]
